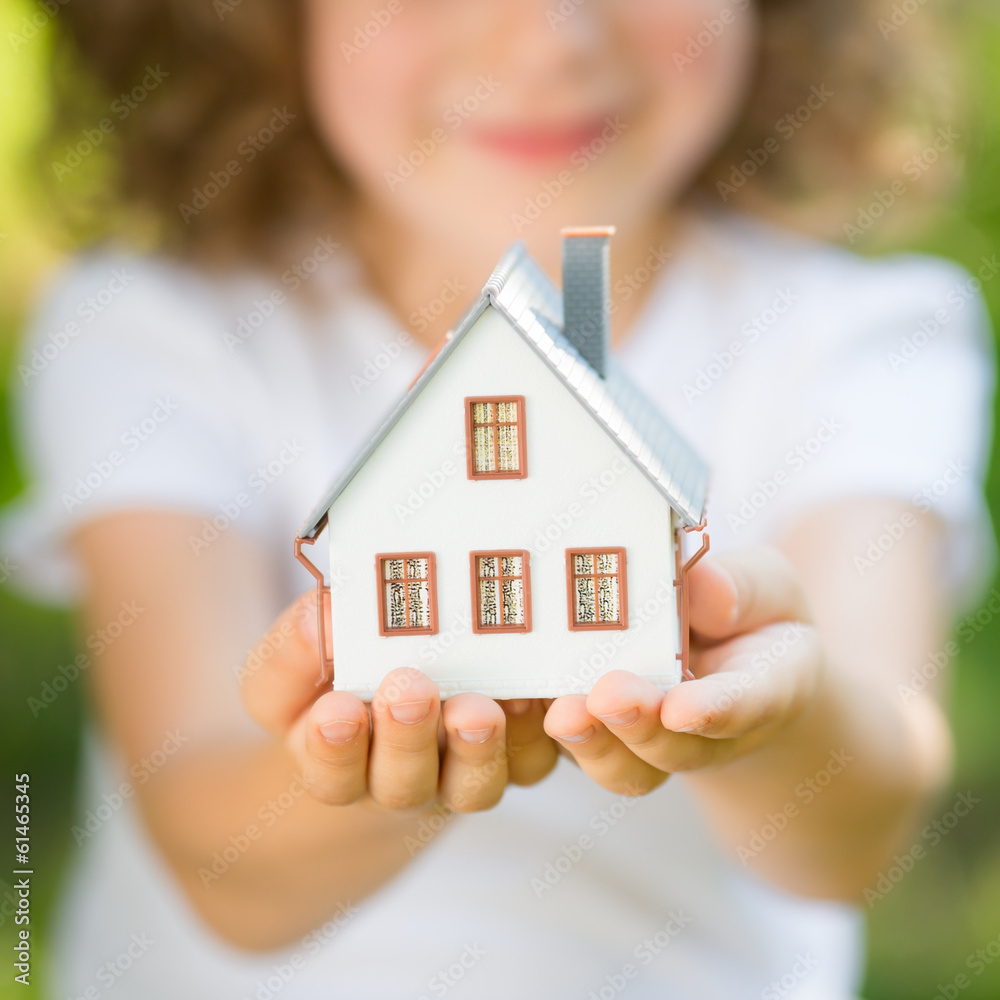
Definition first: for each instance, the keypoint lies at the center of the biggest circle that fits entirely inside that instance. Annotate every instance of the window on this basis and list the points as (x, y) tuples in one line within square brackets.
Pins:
[(494, 433), (407, 597), (501, 592), (595, 584)]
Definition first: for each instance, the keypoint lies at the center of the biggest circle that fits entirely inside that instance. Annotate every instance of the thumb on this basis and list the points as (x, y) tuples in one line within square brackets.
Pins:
[(279, 676)]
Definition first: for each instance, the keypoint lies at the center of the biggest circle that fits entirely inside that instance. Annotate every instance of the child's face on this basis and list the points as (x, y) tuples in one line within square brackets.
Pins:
[(489, 120)]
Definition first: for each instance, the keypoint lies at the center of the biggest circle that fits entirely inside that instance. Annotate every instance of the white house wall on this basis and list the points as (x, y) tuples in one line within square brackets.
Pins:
[(581, 491)]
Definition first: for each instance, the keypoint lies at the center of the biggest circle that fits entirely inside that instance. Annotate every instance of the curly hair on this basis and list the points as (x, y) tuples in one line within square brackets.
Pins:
[(229, 70)]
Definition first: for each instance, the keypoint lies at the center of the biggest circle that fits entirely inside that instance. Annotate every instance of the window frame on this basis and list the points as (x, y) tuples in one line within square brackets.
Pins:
[(622, 574), (474, 557), (380, 582), (522, 449)]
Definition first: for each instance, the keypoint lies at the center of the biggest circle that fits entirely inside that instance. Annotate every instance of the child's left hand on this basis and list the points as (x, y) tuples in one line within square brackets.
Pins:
[(757, 661)]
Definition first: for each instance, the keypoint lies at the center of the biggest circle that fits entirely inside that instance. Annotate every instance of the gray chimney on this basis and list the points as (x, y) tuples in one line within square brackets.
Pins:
[(587, 292)]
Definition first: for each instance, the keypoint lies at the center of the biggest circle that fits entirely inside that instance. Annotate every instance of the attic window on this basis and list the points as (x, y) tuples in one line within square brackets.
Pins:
[(494, 432), (501, 592), (407, 593), (596, 591)]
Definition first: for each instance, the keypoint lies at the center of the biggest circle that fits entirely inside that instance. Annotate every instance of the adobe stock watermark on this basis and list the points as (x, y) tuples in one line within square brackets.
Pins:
[(121, 107), (380, 362), (761, 663), (223, 8), (442, 813), (786, 128), (930, 836), (418, 496), (894, 531), (957, 298), (266, 308), (270, 986), (562, 12), (87, 310), (111, 972), (898, 17), (98, 642), (451, 291), (453, 119), (571, 854), (778, 989), (32, 25), (885, 199), (7, 569), (630, 284), (711, 30), (580, 160), (246, 152), (239, 843), (977, 962), (604, 652), (596, 486), (805, 793), (938, 660), (141, 772), (751, 331), (366, 33), (258, 482), (796, 459), (644, 953), (131, 440), (275, 639), (439, 985)]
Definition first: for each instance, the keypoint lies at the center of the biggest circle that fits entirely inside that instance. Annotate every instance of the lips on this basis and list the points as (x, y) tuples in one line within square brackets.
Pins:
[(536, 142)]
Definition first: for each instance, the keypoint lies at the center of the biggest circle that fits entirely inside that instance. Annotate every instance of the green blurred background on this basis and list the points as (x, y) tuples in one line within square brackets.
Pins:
[(922, 933)]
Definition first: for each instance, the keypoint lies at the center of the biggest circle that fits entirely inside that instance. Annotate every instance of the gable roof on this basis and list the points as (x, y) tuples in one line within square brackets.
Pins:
[(520, 290)]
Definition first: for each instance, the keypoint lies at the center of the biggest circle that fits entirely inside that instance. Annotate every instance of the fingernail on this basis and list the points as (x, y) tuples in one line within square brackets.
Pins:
[(410, 712), (518, 706), (580, 737), (340, 731), (622, 718), (693, 727), (476, 735)]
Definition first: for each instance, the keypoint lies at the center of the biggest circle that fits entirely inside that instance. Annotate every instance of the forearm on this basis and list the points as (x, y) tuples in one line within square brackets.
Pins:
[(820, 808), (259, 858)]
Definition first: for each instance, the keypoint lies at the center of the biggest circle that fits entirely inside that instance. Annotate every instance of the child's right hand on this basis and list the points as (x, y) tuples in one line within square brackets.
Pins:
[(409, 748)]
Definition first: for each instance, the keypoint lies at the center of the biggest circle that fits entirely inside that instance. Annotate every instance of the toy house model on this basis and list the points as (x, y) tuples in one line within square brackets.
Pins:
[(515, 526)]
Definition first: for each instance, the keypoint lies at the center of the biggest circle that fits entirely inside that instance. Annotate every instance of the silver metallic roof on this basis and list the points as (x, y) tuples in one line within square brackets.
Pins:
[(522, 291)]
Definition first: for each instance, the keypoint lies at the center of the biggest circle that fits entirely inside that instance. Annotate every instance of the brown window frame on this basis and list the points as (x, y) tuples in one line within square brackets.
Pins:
[(571, 576), (477, 627), (470, 447), (380, 582)]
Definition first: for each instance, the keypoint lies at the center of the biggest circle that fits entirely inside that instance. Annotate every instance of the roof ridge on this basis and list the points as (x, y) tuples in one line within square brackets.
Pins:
[(524, 294)]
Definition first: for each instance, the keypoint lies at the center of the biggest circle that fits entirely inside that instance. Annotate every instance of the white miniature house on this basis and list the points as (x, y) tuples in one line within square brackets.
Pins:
[(477, 551)]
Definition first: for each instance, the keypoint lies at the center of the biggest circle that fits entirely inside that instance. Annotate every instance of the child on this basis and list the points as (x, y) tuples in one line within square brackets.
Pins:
[(323, 174)]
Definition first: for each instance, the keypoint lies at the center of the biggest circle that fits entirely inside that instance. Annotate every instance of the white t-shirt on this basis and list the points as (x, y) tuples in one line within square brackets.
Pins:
[(802, 372)]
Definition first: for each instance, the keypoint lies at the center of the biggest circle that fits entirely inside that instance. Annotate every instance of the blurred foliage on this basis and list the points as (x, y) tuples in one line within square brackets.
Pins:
[(922, 933)]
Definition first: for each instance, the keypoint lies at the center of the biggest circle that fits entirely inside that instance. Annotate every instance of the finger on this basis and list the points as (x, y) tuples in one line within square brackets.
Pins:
[(279, 677), (741, 591), (331, 743), (531, 754), (749, 685), (629, 706), (403, 762), (474, 770), (600, 755)]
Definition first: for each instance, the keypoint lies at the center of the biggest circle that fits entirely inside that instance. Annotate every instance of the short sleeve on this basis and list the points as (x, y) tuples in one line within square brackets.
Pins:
[(888, 386), (125, 397)]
